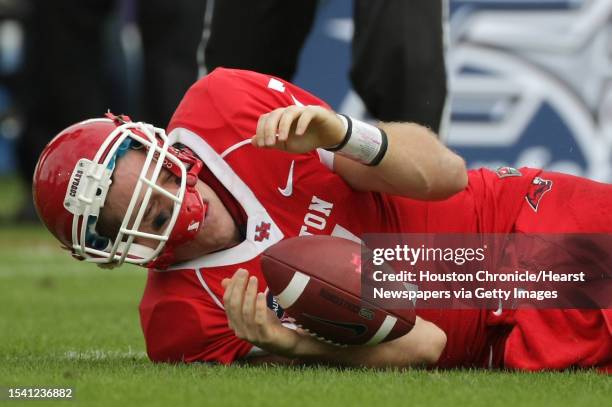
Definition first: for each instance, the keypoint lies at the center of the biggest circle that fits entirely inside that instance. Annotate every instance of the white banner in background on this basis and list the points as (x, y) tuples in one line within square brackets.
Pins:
[(532, 84)]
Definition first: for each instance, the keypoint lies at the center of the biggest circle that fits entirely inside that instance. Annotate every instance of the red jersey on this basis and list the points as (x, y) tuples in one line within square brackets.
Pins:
[(285, 195)]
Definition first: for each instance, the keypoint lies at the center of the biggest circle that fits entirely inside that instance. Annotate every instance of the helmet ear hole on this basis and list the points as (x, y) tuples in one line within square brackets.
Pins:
[(98, 192)]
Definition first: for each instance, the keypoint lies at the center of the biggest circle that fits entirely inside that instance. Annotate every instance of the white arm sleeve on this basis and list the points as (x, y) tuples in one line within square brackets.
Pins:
[(326, 157)]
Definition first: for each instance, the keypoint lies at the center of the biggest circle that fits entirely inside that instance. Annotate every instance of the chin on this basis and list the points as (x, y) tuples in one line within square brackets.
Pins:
[(213, 238)]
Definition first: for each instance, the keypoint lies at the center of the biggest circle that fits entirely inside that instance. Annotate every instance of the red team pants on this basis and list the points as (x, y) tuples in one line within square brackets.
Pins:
[(560, 338)]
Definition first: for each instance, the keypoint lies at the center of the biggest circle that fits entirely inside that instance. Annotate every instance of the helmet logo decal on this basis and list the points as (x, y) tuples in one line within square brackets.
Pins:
[(74, 185), (87, 188)]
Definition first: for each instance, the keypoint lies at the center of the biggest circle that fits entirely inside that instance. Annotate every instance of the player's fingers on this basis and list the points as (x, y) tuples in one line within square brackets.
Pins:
[(234, 302), (304, 120), (261, 311), (233, 308), (227, 294), (287, 120), (248, 305), (227, 284), (258, 139), (271, 126)]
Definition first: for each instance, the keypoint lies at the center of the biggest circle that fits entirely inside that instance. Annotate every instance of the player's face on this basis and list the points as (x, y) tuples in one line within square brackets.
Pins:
[(217, 232)]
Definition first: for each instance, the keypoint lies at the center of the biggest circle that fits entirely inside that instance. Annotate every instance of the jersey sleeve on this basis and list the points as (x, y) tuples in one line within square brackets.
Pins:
[(178, 331), (181, 323)]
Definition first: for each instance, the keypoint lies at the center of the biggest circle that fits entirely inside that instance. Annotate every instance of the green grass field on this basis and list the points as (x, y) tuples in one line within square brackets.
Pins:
[(66, 323)]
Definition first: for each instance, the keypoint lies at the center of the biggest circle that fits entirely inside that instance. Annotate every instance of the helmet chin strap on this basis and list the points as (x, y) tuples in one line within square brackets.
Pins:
[(191, 215)]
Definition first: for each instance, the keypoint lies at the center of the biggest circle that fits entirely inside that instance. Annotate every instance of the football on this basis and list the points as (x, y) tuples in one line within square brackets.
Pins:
[(317, 280)]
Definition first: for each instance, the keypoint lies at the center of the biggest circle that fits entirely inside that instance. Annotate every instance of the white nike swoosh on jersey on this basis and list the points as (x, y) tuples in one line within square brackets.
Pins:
[(288, 190)]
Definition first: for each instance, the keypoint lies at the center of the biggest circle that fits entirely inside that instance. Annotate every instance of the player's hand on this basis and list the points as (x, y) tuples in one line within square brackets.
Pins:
[(250, 318), (299, 129)]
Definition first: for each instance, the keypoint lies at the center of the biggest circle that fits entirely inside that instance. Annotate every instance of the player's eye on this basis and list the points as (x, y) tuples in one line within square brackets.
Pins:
[(160, 220)]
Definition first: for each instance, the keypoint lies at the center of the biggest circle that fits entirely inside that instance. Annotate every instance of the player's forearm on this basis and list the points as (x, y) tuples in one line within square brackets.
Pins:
[(381, 356), (416, 165), (422, 346)]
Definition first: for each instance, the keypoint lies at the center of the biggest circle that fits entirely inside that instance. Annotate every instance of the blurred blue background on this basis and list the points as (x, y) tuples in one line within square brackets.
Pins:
[(530, 81)]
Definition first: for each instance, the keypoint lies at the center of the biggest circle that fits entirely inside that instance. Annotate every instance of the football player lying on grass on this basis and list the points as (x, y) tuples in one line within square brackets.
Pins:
[(249, 160)]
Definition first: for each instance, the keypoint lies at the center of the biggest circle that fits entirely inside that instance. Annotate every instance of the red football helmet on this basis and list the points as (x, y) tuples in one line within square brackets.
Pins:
[(73, 176)]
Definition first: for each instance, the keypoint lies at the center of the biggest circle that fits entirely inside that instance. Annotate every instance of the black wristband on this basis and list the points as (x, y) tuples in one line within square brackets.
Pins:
[(347, 135), (384, 143)]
